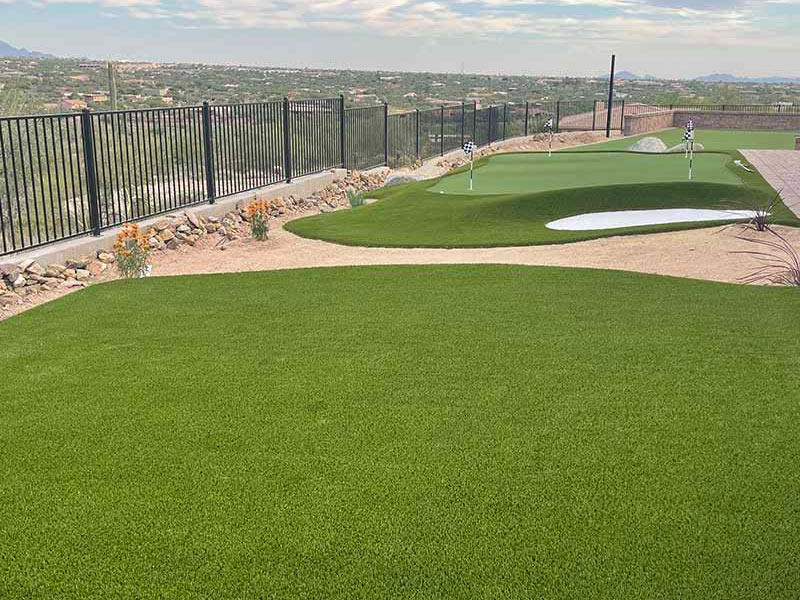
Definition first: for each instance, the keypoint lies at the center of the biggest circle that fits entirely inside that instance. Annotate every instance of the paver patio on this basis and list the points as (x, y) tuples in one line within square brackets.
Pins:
[(781, 168)]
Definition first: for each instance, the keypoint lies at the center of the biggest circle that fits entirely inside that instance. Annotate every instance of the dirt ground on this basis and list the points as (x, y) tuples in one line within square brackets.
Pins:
[(699, 254)]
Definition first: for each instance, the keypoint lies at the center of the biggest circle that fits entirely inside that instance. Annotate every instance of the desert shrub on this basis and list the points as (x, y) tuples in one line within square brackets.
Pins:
[(132, 252), (761, 209), (258, 211), (355, 199), (780, 261)]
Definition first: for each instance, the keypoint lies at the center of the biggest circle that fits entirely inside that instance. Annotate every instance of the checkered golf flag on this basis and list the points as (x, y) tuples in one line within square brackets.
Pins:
[(469, 147), (690, 127), (688, 136), (548, 125)]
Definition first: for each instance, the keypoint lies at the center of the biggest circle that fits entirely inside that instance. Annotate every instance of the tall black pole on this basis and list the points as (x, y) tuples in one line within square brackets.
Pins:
[(342, 129), (610, 105), (386, 134)]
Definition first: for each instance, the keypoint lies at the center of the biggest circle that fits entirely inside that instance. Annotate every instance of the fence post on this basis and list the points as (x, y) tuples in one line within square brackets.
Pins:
[(489, 128), (594, 115), (386, 134), (287, 142), (416, 111), (475, 121), (441, 130), (622, 117), (342, 126), (91, 171), (505, 115), (558, 116), (208, 155), (526, 117), (462, 124)]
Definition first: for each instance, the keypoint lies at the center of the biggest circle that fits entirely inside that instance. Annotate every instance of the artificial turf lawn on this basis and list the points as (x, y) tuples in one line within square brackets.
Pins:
[(402, 432), (716, 140), (529, 173), (415, 215)]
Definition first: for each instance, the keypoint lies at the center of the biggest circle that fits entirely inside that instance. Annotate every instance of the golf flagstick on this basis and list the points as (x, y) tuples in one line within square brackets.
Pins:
[(548, 126), (691, 158), (689, 135), (550, 148), (471, 160), (469, 149)]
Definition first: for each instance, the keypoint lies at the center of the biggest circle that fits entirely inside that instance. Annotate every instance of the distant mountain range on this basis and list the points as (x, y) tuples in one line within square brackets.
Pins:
[(728, 78), (630, 76), (713, 78), (7, 50)]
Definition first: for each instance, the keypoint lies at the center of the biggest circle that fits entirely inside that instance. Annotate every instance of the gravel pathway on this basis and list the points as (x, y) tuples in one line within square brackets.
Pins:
[(698, 254)]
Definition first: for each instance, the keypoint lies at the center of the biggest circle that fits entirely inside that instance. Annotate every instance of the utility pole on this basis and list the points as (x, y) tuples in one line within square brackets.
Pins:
[(610, 105), (112, 85)]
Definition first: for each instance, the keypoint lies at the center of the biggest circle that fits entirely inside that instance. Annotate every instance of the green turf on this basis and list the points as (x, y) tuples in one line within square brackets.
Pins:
[(416, 215), (528, 173), (712, 140), (402, 432)]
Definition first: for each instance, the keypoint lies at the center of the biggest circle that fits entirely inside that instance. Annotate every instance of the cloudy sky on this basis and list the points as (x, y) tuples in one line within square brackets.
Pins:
[(668, 38)]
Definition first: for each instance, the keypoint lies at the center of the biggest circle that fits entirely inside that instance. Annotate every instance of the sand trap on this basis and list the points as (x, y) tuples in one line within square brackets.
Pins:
[(634, 218)]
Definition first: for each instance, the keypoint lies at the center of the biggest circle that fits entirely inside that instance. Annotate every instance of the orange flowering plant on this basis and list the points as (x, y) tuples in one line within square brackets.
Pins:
[(258, 211), (132, 251)]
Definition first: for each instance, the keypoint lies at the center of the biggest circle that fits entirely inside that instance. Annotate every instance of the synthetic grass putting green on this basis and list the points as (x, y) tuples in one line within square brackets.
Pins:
[(410, 432), (529, 173), (502, 213), (716, 140)]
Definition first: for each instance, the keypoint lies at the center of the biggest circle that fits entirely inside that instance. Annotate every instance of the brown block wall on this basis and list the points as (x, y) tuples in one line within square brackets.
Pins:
[(645, 123), (738, 120)]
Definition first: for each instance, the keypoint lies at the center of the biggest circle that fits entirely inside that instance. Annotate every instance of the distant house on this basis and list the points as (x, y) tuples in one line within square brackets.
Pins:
[(96, 97), (69, 104)]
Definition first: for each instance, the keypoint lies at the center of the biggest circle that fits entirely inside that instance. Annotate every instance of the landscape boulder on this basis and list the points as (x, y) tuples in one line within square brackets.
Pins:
[(35, 268), (400, 179), (649, 145)]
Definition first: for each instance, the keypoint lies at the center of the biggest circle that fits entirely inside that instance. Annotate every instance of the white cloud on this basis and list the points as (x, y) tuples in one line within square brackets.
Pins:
[(576, 21)]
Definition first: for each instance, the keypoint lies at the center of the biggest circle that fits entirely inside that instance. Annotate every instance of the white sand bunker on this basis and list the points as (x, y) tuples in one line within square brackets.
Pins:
[(634, 218)]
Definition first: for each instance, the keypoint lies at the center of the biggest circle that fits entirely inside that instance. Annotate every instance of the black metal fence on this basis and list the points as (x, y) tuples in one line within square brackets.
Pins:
[(67, 175)]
